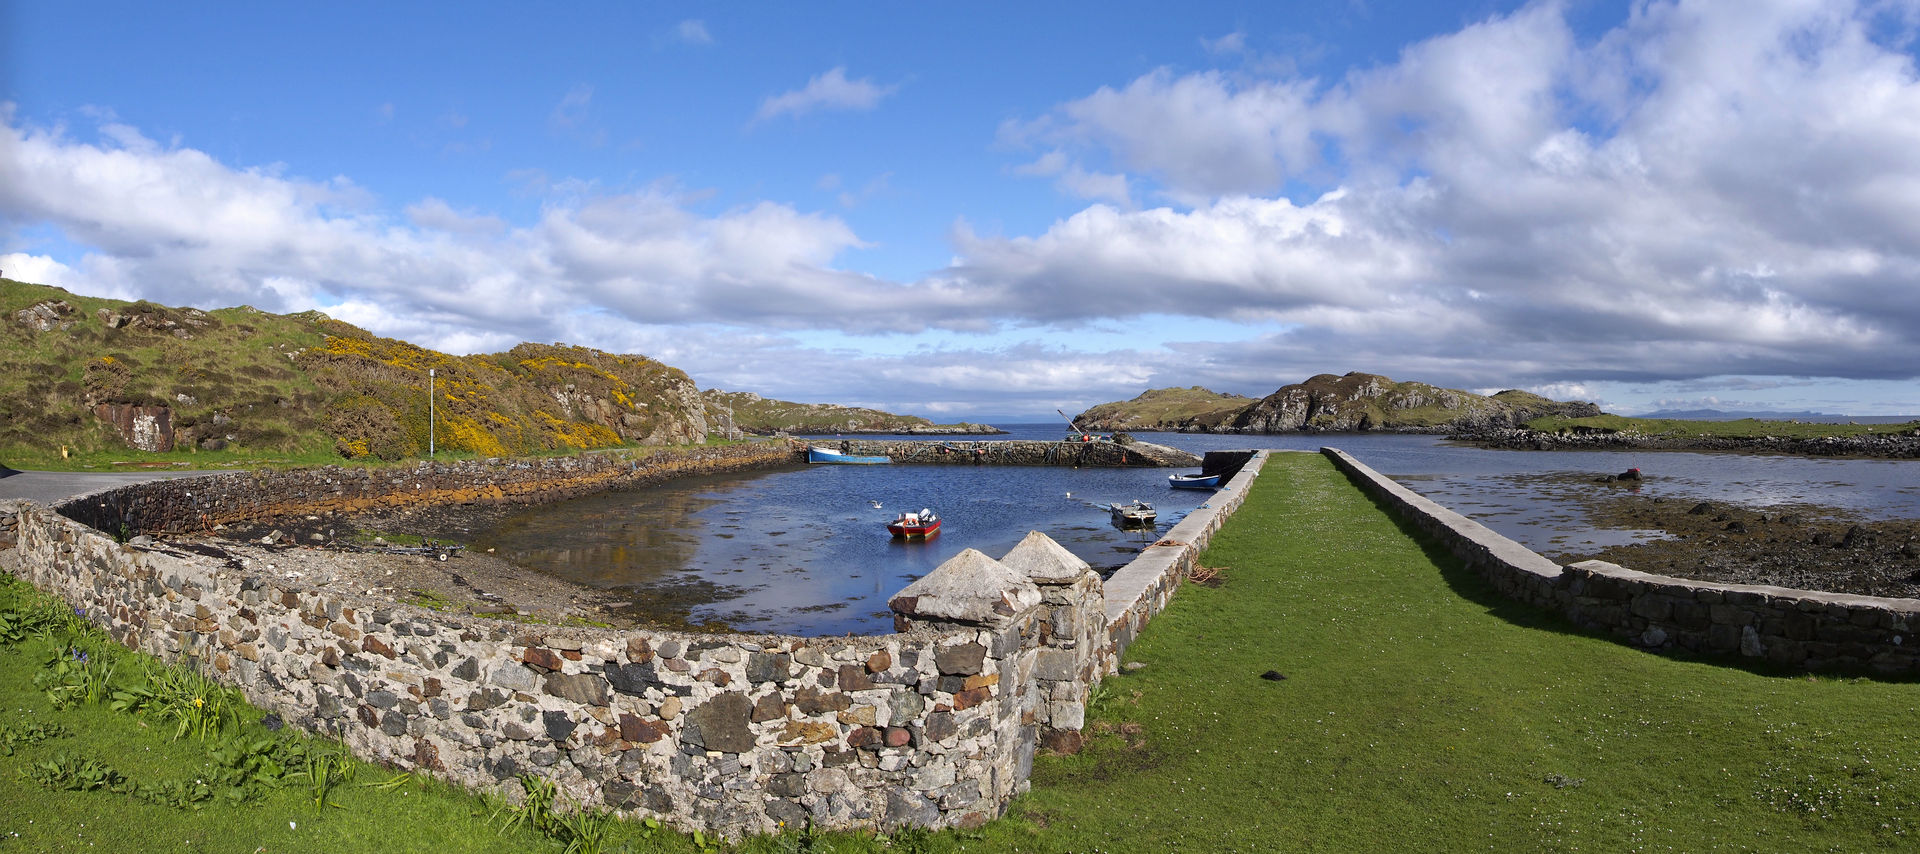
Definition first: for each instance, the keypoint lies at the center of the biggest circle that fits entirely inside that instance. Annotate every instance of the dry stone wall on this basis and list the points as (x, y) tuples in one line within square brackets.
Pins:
[(1800, 629), (935, 725), (198, 504)]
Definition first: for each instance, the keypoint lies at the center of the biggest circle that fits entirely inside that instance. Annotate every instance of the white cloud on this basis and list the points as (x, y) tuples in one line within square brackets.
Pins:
[(693, 31), (1234, 42), (1707, 189), (829, 91)]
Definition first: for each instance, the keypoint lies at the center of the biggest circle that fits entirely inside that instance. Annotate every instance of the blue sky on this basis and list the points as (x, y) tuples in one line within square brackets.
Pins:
[(1004, 209)]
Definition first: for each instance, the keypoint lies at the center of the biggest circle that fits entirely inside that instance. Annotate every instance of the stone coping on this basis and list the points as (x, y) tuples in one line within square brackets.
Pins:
[(1131, 584)]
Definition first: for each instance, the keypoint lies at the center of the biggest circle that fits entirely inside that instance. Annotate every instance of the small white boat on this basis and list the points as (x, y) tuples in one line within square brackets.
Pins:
[(823, 455), (1136, 513)]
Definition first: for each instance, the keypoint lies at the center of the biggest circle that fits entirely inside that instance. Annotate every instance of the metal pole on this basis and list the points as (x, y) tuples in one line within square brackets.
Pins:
[(429, 413)]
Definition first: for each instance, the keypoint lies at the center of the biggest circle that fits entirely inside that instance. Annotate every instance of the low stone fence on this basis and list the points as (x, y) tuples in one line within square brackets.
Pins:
[(935, 725), (1801, 629)]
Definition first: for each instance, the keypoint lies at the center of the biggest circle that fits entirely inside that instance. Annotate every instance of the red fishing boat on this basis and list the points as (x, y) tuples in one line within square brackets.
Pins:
[(911, 525)]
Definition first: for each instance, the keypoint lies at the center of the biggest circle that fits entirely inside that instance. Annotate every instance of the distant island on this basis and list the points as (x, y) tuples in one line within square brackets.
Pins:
[(752, 413), (1355, 402)]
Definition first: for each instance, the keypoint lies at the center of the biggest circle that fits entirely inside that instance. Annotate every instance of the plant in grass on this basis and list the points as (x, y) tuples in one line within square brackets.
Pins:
[(20, 735), (75, 672), (69, 774), (181, 694), (326, 770), (535, 809)]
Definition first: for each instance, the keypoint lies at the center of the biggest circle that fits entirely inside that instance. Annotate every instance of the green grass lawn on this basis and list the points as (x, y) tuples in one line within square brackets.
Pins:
[(1420, 712), (1423, 712)]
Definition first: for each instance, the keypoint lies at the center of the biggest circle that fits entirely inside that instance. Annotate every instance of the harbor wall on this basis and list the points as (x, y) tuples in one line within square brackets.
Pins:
[(193, 505), (935, 725), (1799, 629), (1016, 452)]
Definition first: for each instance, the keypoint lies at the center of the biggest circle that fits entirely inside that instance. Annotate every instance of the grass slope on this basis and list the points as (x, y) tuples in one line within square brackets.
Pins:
[(1423, 712), (1164, 409), (246, 386)]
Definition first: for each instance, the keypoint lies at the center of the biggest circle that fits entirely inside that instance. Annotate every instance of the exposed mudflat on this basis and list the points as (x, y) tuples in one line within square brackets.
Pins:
[(335, 552), (1799, 546)]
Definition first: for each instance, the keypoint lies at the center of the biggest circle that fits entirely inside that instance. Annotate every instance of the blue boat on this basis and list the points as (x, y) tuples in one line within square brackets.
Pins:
[(1193, 481), (822, 455)]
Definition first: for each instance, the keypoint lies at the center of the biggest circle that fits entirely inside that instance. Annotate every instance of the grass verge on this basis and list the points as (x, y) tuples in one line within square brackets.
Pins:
[(1421, 711)]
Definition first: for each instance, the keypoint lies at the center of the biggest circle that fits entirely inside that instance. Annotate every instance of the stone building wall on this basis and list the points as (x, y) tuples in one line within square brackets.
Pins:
[(1800, 629)]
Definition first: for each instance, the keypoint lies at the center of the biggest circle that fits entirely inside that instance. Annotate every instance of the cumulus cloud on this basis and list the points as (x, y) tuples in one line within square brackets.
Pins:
[(174, 225), (1706, 189), (829, 91)]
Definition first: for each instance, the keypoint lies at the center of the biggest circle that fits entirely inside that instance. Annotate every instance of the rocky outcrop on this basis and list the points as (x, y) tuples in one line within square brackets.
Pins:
[(46, 315), (1896, 447), (144, 428)]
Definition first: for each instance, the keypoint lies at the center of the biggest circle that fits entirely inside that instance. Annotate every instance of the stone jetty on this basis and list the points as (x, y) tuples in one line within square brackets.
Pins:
[(1016, 452)]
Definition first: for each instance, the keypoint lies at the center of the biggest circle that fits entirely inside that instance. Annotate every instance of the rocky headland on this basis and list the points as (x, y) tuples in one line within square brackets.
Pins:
[(1355, 402), (751, 413)]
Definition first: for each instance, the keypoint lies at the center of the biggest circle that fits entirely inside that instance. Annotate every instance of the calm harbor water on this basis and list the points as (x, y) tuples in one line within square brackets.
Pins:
[(804, 550)]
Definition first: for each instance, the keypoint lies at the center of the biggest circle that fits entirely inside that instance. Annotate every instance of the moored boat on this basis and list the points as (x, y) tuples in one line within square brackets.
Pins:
[(915, 525), (1135, 513), (1193, 481), (823, 455)]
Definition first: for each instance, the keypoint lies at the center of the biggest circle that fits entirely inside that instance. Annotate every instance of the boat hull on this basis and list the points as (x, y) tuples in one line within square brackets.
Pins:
[(1139, 513), (1193, 481), (822, 455), (913, 532)]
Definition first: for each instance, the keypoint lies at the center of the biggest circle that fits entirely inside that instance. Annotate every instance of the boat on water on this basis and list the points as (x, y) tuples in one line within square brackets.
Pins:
[(823, 455), (1135, 513), (1193, 481), (915, 525)]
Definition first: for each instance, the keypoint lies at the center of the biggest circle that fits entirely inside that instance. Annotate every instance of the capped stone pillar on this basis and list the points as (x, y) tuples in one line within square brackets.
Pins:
[(1071, 626)]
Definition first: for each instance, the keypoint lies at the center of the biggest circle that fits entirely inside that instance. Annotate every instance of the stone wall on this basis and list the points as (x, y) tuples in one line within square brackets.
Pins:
[(935, 725), (1800, 629), (197, 504), (9, 523), (1142, 588), (1015, 452), (724, 732)]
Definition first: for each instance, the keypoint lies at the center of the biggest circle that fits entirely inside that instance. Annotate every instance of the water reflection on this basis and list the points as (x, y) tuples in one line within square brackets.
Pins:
[(804, 550)]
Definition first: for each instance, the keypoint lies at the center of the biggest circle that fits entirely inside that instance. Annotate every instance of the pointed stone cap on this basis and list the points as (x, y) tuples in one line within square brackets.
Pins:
[(1046, 562), (969, 588)]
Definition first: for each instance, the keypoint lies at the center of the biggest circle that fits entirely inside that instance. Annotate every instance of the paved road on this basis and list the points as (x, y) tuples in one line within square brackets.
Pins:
[(50, 487)]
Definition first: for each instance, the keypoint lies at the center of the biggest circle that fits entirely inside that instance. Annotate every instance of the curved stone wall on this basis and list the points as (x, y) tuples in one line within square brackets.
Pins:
[(935, 725), (1801, 629)]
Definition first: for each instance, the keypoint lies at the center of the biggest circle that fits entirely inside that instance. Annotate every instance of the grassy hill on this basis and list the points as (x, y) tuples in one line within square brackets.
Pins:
[(244, 384), (1165, 409), (755, 414)]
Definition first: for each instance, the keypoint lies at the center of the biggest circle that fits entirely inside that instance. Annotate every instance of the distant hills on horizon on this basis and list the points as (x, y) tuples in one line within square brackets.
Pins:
[(1763, 415)]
